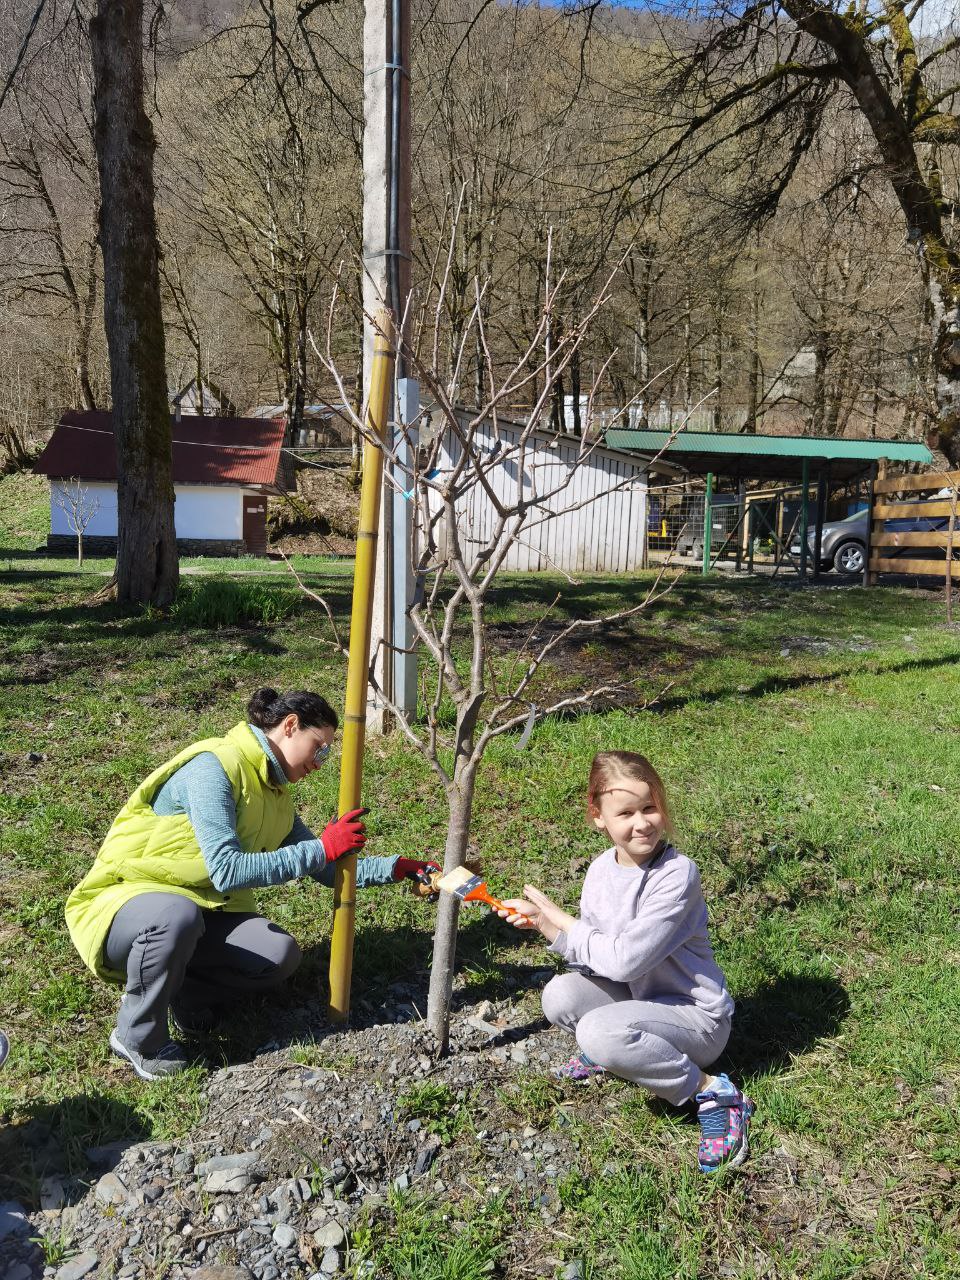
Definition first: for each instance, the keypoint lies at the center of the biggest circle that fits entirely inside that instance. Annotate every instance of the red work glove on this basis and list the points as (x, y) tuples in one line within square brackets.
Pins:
[(346, 835), (411, 869)]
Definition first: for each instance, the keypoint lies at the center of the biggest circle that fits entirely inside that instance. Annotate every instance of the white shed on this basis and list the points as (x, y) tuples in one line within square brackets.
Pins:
[(588, 503)]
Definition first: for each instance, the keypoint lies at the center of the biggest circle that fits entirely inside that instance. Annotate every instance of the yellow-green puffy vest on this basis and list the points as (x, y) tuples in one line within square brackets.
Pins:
[(145, 853)]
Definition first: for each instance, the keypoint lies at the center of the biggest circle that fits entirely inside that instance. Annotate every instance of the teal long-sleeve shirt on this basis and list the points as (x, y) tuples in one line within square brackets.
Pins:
[(201, 790)]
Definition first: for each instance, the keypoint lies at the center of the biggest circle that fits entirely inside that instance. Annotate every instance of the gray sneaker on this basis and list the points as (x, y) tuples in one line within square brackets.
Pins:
[(169, 1060), (4, 1048)]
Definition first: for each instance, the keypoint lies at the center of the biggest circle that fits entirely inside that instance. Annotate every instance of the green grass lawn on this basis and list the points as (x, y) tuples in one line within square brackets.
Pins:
[(809, 739)]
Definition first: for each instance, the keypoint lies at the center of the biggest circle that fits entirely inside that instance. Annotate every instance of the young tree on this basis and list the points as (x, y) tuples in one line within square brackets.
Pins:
[(456, 558), (78, 506)]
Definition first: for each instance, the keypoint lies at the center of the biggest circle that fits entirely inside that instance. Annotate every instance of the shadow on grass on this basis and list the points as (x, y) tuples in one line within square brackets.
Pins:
[(784, 1017), (783, 684), (53, 1138)]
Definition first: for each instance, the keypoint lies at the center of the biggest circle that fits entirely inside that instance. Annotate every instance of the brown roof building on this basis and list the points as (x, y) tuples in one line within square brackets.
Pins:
[(223, 469)]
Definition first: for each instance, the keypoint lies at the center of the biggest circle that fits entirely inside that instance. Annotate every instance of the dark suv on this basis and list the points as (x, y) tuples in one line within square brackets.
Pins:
[(843, 545)]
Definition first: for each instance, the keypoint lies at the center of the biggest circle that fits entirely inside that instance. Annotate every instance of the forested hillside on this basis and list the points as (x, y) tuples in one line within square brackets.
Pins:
[(760, 272)]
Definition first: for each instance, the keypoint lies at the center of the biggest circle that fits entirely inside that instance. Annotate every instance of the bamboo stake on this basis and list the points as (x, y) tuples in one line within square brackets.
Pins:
[(358, 663)]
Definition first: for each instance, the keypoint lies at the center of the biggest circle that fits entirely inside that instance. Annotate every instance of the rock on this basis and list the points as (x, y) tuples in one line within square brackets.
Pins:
[(20, 1271), (229, 1182), (110, 1189), (487, 1028), (109, 1155), (13, 1219), (330, 1236), (52, 1194), (214, 1271), (330, 1262), (79, 1266), (284, 1236), (402, 1183), (425, 1159), (151, 1193), (572, 1271), (244, 1160)]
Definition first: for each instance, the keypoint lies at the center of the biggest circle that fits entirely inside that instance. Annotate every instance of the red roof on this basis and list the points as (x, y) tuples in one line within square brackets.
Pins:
[(234, 451)]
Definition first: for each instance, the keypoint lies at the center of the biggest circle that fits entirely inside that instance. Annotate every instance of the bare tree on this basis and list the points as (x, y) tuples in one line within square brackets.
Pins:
[(770, 72), (147, 565), (79, 507), (473, 457)]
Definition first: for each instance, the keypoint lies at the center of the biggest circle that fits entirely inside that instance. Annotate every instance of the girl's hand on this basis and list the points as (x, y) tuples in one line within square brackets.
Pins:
[(550, 919), (519, 912)]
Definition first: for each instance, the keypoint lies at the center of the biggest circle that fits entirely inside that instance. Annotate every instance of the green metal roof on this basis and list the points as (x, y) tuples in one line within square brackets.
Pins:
[(763, 457)]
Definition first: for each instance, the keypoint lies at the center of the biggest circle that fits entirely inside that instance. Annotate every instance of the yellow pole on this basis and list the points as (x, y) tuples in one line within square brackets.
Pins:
[(358, 663)]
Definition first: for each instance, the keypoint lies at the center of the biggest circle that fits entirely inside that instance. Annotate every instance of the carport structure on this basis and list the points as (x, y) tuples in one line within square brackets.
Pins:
[(793, 460)]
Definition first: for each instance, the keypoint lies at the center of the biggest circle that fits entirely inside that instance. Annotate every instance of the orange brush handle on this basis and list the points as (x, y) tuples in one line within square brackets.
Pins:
[(482, 894)]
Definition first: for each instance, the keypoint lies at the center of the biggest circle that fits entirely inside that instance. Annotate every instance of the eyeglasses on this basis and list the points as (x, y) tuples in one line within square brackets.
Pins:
[(321, 754)]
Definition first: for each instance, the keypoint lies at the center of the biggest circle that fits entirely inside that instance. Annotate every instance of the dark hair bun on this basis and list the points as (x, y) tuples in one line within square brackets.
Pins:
[(267, 708)]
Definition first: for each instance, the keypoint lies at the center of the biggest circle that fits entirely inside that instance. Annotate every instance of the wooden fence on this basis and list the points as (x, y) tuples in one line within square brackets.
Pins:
[(899, 498)]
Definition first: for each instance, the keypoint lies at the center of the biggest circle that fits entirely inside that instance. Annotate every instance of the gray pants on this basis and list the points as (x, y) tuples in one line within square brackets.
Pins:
[(173, 951), (660, 1045)]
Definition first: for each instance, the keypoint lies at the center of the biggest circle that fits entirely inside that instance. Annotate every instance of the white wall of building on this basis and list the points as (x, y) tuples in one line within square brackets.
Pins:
[(207, 511), (595, 524), (200, 511)]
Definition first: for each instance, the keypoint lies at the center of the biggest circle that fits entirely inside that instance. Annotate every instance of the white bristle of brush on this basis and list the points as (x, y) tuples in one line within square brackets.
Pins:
[(459, 881)]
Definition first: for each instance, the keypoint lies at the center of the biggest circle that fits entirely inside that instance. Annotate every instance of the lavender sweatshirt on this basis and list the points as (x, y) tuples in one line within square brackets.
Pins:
[(647, 927)]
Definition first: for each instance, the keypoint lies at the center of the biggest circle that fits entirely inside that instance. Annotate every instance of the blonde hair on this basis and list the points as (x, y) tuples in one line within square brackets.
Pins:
[(609, 766)]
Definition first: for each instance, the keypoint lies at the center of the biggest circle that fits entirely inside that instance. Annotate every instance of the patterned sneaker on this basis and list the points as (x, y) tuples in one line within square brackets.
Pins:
[(579, 1068), (724, 1117), (169, 1060)]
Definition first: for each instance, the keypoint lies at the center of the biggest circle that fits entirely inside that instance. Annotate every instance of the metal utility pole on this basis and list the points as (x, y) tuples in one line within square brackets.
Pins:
[(386, 262)]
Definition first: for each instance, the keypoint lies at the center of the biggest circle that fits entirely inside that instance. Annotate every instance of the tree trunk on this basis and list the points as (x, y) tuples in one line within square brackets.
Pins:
[(86, 327), (443, 967), (687, 355), (718, 372), (147, 566), (753, 372)]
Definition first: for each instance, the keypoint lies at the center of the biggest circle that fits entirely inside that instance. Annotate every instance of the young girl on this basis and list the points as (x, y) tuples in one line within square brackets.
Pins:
[(644, 996)]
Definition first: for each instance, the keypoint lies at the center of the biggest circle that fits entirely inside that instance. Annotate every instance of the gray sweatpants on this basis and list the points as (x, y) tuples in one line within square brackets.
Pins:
[(173, 951), (660, 1045)]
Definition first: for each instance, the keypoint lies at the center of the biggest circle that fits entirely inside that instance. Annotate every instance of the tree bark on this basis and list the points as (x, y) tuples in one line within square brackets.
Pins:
[(147, 566), (443, 964)]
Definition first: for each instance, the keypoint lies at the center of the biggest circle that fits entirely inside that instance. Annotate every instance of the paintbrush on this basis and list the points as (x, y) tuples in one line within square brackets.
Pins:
[(468, 887)]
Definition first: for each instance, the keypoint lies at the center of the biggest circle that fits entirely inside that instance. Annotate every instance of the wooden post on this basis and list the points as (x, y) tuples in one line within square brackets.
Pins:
[(948, 579), (878, 473), (707, 523), (750, 534), (804, 485), (821, 512), (742, 521)]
